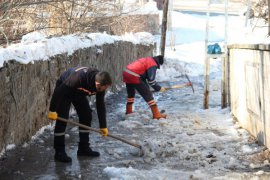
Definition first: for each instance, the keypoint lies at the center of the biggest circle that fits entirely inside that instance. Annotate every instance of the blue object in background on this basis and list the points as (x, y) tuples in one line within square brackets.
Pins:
[(214, 49)]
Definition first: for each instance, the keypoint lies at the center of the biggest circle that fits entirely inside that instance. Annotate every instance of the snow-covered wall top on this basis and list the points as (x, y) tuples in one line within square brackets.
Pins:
[(36, 46)]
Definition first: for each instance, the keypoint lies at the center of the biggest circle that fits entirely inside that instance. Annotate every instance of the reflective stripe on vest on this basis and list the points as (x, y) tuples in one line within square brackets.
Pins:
[(132, 73)]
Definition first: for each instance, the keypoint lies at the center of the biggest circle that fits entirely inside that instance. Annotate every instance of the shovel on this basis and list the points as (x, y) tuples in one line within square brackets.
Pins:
[(182, 85), (178, 86), (96, 130)]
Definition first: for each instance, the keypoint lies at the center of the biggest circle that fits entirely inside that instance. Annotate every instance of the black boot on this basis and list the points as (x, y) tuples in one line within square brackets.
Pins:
[(62, 157), (85, 150), (84, 146), (60, 153)]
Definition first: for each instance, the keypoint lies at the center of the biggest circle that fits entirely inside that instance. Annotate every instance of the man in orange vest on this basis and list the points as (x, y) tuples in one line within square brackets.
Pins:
[(138, 75)]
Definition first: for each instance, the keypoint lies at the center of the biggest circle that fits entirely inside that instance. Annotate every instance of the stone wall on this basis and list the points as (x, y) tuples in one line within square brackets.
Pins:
[(25, 90), (250, 88)]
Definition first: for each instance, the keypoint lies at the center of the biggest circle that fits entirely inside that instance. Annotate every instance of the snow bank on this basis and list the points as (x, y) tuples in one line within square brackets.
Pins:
[(35, 46)]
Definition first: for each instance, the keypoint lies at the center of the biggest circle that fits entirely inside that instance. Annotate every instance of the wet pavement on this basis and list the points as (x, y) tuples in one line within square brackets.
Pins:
[(35, 160)]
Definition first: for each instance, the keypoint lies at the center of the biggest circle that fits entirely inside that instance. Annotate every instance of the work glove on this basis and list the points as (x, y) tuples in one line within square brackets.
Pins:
[(52, 116), (104, 132), (163, 89)]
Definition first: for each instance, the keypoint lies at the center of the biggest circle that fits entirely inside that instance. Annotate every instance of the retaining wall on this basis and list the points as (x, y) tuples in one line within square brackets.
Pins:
[(26, 89)]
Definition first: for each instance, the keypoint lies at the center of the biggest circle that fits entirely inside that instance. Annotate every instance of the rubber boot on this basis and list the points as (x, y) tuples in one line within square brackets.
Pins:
[(60, 153), (85, 150), (62, 156), (129, 108), (156, 113)]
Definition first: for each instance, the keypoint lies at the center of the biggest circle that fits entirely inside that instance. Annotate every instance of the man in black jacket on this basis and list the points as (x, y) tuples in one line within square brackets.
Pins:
[(72, 87)]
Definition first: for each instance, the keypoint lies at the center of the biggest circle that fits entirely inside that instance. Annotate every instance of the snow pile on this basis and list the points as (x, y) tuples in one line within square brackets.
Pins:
[(35, 46), (164, 173), (33, 37), (203, 144)]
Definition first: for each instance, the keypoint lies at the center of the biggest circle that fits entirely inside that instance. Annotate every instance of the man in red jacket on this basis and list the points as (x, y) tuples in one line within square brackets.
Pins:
[(137, 76), (72, 87)]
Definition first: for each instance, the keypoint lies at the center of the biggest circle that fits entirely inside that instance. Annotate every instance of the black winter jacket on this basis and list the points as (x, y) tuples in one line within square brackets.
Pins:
[(79, 81)]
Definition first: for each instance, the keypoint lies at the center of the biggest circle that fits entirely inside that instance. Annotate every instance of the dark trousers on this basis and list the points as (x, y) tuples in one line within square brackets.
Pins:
[(84, 112), (143, 90)]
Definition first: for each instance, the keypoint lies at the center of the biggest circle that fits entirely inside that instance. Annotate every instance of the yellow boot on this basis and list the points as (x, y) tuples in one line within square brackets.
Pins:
[(156, 113)]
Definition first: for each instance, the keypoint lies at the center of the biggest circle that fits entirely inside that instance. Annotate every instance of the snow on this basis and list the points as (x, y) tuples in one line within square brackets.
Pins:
[(36, 137), (8, 147), (130, 173), (131, 7), (191, 143), (35, 46)]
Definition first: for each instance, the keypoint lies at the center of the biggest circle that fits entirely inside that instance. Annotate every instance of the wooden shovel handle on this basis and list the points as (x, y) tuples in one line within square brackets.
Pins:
[(177, 86), (96, 130)]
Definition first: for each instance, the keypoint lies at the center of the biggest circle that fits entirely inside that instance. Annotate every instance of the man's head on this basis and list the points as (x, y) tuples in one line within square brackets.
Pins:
[(103, 81), (159, 60)]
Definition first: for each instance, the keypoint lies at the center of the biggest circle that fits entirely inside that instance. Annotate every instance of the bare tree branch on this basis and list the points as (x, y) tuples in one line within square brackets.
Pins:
[(58, 17)]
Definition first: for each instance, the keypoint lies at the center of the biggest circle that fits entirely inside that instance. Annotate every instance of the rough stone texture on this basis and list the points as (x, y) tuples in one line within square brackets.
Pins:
[(25, 90)]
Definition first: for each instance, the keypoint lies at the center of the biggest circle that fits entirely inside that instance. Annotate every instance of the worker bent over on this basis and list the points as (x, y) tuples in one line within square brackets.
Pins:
[(138, 76), (74, 86)]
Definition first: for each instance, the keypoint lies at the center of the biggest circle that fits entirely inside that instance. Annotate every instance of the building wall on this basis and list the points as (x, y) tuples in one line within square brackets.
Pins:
[(250, 88)]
